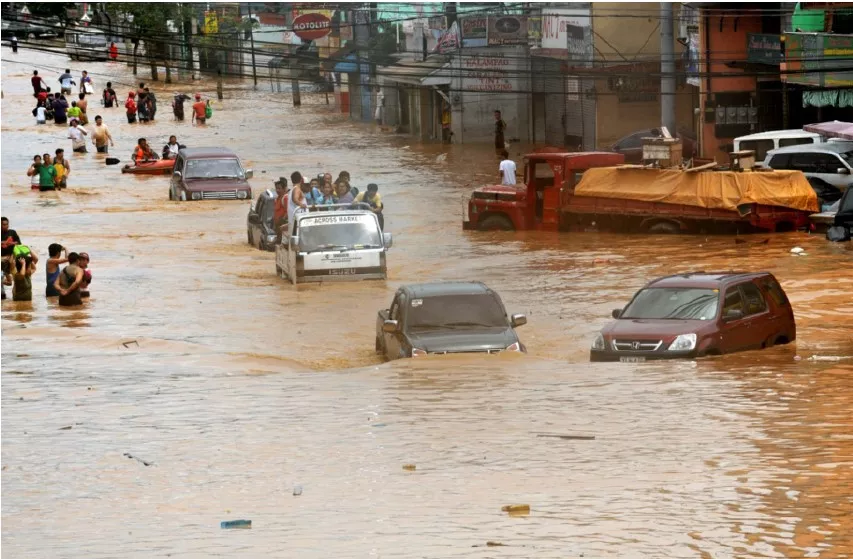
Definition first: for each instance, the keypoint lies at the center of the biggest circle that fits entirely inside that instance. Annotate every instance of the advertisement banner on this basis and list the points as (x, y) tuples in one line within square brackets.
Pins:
[(555, 26), (211, 23), (817, 59), (507, 30), (474, 31)]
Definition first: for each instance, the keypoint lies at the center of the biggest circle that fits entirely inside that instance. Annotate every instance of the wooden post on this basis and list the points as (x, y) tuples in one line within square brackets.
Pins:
[(219, 84), (297, 96)]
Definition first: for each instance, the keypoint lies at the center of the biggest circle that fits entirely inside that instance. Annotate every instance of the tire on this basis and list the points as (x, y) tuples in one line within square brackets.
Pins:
[(664, 228), (496, 223)]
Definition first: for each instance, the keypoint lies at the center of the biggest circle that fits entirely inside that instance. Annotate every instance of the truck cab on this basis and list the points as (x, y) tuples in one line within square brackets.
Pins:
[(549, 179), (339, 242)]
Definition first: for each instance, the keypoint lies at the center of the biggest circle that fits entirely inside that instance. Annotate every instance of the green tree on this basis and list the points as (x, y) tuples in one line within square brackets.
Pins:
[(150, 23)]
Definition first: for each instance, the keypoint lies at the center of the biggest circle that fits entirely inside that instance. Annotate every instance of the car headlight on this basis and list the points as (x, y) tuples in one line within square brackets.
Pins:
[(241, 194), (196, 195), (598, 342), (418, 352), (684, 342), (513, 347)]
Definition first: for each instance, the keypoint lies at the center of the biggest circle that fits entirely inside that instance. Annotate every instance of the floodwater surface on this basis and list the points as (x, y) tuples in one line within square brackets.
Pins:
[(235, 387)]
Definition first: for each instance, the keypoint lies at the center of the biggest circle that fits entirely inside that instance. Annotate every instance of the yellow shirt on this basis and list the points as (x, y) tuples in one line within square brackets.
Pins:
[(60, 171), (377, 200)]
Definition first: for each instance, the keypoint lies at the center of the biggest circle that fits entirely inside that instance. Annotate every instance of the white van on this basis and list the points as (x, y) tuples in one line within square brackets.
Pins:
[(762, 142), (86, 44), (341, 242)]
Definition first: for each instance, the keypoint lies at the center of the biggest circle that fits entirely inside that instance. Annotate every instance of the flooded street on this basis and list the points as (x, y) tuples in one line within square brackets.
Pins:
[(236, 386)]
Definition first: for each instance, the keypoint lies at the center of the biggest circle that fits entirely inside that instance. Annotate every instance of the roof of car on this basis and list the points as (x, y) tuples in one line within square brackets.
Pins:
[(438, 288), (771, 134), (703, 279), (202, 153), (824, 147)]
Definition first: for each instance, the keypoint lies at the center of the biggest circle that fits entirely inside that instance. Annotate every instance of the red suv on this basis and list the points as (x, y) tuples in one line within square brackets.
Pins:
[(697, 314)]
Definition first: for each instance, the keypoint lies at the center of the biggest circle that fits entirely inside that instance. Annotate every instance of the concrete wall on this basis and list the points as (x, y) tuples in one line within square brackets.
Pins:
[(486, 79)]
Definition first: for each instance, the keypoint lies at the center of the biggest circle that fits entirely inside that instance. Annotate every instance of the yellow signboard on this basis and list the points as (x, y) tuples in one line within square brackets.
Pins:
[(211, 24)]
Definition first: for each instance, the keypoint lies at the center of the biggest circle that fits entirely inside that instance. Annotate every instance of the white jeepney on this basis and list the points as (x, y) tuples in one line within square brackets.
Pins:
[(341, 242)]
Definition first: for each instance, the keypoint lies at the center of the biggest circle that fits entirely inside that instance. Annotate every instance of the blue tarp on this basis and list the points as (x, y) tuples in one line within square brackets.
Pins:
[(347, 66)]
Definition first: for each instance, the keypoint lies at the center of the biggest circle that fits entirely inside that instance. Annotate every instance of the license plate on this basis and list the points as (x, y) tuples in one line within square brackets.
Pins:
[(342, 272), (632, 359)]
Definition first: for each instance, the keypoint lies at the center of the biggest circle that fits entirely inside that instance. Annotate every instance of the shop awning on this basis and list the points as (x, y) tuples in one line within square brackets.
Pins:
[(441, 76), (834, 129), (828, 98), (414, 73)]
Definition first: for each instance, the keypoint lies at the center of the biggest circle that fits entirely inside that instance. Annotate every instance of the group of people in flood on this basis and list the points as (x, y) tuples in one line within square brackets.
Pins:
[(69, 283), (320, 191), (55, 107)]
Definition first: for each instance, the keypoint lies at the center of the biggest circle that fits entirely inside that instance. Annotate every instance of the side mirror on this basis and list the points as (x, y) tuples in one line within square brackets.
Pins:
[(616, 313), (388, 239), (843, 171), (390, 326), (294, 242), (732, 315), (250, 173), (517, 320), (177, 174)]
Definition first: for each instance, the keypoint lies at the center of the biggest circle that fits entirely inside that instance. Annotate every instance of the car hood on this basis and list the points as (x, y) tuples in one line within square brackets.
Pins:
[(215, 185), (484, 339), (636, 328)]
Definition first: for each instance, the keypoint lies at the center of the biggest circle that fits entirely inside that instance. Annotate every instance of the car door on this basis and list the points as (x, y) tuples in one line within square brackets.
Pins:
[(733, 333), (760, 326), (393, 340), (257, 212)]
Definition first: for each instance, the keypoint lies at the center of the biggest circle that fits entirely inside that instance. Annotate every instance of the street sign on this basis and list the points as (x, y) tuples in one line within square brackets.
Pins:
[(211, 23), (312, 26)]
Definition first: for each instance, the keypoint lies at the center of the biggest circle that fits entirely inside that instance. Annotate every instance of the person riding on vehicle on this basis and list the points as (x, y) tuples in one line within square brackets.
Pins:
[(143, 152), (170, 150)]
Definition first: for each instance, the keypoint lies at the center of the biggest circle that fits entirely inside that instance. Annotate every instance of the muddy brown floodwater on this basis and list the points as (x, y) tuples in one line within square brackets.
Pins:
[(239, 386)]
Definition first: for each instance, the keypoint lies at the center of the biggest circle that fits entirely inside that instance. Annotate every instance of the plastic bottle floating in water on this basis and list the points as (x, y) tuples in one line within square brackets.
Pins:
[(516, 510), (236, 524)]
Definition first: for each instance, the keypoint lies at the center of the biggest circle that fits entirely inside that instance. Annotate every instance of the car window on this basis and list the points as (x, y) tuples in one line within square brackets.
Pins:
[(210, 168), (733, 300), (633, 141), (780, 161), (753, 300), (774, 290), (785, 142), (678, 303), (760, 147), (814, 162), (456, 312), (848, 157)]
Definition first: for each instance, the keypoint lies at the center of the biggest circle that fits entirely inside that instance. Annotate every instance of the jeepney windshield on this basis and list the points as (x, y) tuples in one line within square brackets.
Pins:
[(339, 232)]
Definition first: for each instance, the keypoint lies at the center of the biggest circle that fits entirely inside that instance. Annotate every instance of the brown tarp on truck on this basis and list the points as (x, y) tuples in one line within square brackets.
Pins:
[(710, 189)]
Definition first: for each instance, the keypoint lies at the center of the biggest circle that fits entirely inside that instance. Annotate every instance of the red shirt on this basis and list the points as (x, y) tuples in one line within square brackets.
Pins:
[(42, 96), (36, 81), (199, 108), (114, 52), (280, 208), (130, 106)]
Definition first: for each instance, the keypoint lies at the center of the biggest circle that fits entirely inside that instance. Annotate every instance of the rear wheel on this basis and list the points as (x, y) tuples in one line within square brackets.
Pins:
[(664, 228), (496, 223)]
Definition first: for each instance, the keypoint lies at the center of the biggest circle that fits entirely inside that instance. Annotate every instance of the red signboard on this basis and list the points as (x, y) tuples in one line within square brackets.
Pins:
[(312, 26)]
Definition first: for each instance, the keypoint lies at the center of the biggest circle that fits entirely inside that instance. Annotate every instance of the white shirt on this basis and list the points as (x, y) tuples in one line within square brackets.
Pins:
[(508, 171), (173, 150), (77, 138), (40, 116)]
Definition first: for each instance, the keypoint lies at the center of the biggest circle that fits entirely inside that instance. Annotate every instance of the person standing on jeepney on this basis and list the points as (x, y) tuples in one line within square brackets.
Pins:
[(296, 198), (372, 198), (343, 192), (279, 216), (312, 193)]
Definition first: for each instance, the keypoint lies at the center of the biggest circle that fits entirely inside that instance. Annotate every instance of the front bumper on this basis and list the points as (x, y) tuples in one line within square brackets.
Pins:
[(596, 355)]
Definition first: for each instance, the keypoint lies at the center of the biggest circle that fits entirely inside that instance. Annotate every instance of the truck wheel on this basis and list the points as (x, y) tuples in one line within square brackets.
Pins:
[(664, 228), (496, 223)]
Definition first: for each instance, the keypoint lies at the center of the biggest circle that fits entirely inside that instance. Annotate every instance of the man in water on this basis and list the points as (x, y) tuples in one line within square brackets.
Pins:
[(78, 136), (371, 197), (170, 150), (83, 262), (500, 128), (86, 83), (55, 253), (142, 152), (200, 111), (37, 83), (101, 135), (506, 171), (69, 281), (63, 168), (60, 108), (33, 173), (152, 103), (47, 174), (66, 80), (130, 107), (178, 105), (110, 96)]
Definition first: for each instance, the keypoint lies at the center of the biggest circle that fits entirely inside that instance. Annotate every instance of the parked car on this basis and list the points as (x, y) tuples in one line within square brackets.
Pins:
[(259, 223), (631, 146), (82, 43), (209, 174), (762, 142), (698, 314), (26, 31), (840, 228), (446, 317), (831, 162), (339, 242)]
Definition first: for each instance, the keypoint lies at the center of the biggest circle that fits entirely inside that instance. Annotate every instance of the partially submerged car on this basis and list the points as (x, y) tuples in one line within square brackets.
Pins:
[(698, 314), (260, 228), (339, 242), (446, 317), (209, 174)]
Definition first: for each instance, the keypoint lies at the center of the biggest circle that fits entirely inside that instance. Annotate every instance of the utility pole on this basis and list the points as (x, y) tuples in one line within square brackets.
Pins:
[(252, 42), (667, 68)]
